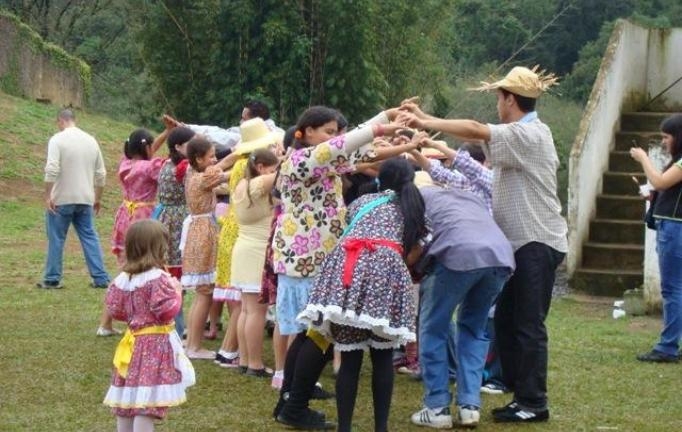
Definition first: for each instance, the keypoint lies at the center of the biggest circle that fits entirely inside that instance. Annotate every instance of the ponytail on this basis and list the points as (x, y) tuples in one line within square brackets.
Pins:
[(398, 175), (261, 156)]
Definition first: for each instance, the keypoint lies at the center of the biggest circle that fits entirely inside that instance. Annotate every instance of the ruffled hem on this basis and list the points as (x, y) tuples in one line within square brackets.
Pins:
[(321, 316), (145, 396), (190, 281), (365, 346), (227, 295), (126, 283)]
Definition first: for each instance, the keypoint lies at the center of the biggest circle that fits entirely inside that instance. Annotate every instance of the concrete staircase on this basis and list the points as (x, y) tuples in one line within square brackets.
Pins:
[(613, 256)]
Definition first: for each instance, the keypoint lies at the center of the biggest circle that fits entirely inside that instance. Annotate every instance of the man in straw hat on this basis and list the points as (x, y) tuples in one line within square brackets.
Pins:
[(527, 209)]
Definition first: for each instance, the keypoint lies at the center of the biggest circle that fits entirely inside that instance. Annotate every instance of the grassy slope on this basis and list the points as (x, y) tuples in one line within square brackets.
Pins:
[(55, 371)]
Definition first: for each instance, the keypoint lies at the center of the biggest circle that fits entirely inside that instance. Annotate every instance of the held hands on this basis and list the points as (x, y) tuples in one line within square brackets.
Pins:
[(411, 120)]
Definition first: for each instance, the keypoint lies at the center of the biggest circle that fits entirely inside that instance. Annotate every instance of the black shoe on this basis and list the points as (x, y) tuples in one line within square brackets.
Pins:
[(49, 285), (517, 414), (321, 394), (510, 405), (99, 285), (280, 404), (308, 420), (655, 356), (258, 373)]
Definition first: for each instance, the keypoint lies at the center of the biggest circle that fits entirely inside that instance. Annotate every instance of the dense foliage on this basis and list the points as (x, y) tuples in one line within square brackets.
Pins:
[(201, 60)]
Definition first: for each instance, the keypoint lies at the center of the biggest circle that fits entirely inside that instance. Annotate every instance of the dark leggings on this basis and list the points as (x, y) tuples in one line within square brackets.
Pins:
[(302, 368), (347, 387)]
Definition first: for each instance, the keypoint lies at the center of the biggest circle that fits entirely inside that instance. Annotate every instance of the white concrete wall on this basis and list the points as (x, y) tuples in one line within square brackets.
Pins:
[(622, 73), (664, 62)]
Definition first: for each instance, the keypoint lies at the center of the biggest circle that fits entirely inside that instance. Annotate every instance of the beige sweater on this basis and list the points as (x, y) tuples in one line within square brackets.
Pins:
[(75, 166)]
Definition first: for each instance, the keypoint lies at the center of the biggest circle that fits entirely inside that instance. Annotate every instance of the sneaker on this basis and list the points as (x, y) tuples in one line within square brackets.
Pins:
[(510, 405), (225, 362), (655, 356), (493, 389), (321, 394), (468, 416), (439, 418), (50, 285), (308, 420), (101, 331), (99, 285), (517, 414)]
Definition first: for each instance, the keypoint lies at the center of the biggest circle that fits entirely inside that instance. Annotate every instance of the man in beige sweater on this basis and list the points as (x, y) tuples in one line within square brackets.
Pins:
[(74, 179)]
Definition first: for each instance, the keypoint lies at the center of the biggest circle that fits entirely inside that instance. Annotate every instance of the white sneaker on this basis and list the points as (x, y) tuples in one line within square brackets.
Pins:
[(101, 331), (468, 416), (438, 418)]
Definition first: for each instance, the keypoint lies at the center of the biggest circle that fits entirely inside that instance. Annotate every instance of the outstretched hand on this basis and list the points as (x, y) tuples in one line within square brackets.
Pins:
[(638, 154), (410, 119), (170, 122)]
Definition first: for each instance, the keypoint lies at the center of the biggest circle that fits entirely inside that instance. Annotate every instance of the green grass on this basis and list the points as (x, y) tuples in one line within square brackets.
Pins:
[(55, 372)]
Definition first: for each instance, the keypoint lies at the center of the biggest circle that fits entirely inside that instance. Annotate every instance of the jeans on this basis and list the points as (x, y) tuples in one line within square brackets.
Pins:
[(492, 373), (668, 241), (520, 323), (441, 292), (57, 225)]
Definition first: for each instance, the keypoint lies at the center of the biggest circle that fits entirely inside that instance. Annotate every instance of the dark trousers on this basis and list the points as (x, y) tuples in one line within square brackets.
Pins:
[(520, 323)]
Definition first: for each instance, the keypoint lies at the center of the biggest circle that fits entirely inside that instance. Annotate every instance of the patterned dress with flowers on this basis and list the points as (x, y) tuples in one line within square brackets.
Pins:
[(158, 372), (200, 248), (376, 309), (172, 211), (139, 180), (313, 216)]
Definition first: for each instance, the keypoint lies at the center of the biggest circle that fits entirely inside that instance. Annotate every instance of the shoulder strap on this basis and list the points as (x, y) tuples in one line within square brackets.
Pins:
[(366, 209)]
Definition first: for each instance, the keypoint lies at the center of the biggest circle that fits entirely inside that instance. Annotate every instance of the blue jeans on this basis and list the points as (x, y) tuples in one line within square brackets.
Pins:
[(57, 225), (668, 241), (441, 292)]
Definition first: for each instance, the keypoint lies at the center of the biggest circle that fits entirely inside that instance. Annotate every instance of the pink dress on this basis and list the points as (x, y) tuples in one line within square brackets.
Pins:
[(159, 372), (139, 180)]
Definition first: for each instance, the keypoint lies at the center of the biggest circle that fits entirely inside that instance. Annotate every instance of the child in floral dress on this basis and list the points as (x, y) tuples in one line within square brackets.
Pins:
[(151, 370), (362, 298), (199, 243)]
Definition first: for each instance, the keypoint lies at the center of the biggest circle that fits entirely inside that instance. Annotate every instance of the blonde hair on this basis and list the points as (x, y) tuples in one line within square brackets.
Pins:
[(146, 246)]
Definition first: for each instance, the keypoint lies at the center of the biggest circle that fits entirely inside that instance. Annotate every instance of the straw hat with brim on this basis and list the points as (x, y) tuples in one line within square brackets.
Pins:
[(432, 153), (423, 179), (522, 81), (256, 135)]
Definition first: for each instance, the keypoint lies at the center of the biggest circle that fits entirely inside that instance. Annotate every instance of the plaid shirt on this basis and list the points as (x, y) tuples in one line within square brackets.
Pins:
[(525, 201), (467, 175)]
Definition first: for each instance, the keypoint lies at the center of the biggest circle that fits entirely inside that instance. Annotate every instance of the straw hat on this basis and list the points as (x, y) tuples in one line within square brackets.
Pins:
[(256, 135), (432, 153), (522, 81), (422, 179)]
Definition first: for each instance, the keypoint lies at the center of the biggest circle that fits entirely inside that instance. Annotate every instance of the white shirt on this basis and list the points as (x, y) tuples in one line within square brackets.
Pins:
[(75, 166)]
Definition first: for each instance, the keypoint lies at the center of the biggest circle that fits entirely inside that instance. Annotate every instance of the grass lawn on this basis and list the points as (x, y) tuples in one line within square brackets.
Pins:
[(55, 372)]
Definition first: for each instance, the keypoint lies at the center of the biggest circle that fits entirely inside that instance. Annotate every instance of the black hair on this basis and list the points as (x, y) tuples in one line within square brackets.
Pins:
[(673, 126), (313, 117), (258, 109), (136, 144), (178, 136), (260, 156), (197, 147), (524, 103), (288, 139), (476, 152), (341, 121), (66, 114), (397, 174), (358, 184)]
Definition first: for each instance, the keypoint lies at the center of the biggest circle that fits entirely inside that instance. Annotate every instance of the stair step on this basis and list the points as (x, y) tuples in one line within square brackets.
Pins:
[(621, 161), (616, 231), (611, 283), (642, 121), (620, 183), (626, 140), (620, 207), (613, 256)]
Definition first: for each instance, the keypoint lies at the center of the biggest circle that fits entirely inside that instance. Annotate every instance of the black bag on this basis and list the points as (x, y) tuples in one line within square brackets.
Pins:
[(649, 216)]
